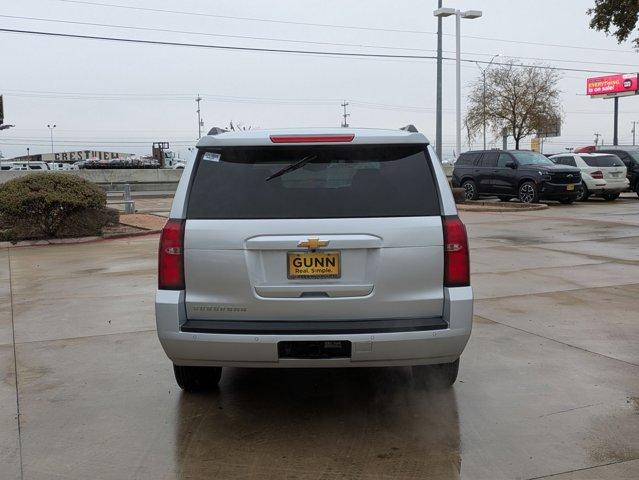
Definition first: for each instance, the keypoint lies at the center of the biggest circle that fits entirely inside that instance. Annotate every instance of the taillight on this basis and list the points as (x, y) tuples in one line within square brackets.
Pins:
[(456, 254), (598, 175), (337, 138), (171, 256)]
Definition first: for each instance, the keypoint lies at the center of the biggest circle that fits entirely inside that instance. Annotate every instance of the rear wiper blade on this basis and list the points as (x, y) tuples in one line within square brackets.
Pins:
[(291, 167)]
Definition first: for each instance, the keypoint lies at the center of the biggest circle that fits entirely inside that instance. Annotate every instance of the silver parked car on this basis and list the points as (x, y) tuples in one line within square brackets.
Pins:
[(313, 248)]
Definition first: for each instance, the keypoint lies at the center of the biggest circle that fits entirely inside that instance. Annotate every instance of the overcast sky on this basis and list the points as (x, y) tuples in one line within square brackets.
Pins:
[(122, 97)]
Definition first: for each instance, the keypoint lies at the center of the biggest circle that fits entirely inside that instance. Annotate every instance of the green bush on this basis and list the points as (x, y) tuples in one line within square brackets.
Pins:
[(50, 205)]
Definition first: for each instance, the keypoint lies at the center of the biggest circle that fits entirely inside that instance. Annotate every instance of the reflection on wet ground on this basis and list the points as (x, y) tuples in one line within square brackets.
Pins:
[(362, 423)]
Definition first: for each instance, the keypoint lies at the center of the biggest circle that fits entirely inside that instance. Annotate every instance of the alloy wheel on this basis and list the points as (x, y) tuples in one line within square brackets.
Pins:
[(469, 191), (526, 193)]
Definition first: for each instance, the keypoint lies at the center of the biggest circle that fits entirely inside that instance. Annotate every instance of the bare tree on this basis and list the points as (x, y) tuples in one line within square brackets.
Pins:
[(519, 99)]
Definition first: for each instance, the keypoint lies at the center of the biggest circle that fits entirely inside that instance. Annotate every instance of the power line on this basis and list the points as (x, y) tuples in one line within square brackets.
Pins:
[(251, 19), (328, 25), (205, 45), (311, 42), (190, 32), (214, 98), (274, 50)]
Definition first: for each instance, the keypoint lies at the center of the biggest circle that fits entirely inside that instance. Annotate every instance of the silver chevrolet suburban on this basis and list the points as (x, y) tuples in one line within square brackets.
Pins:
[(313, 248)]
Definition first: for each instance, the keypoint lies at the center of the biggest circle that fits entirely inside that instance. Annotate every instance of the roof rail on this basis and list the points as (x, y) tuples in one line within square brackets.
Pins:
[(217, 131), (410, 128)]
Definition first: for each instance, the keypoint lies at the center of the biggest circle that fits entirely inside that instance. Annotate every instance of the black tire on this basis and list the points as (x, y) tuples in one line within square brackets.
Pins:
[(584, 194), (566, 201), (470, 190), (528, 193), (197, 379), (505, 198), (436, 376), (609, 197)]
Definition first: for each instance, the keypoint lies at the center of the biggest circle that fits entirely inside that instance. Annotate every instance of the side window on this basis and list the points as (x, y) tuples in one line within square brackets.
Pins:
[(468, 159), (558, 160), (504, 158), (570, 161), (463, 160), (489, 159)]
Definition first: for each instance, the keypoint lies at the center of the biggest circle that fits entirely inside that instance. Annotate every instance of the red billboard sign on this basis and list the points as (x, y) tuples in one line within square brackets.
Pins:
[(612, 85)]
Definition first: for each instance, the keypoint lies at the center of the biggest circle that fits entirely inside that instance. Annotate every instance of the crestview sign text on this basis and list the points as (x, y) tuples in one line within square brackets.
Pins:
[(85, 155)]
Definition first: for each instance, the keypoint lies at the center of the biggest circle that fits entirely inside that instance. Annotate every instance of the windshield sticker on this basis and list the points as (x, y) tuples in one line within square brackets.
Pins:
[(211, 157)]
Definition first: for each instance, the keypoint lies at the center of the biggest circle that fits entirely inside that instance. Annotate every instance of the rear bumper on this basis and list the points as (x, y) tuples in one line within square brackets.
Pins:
[(607, 186), (417, 347)]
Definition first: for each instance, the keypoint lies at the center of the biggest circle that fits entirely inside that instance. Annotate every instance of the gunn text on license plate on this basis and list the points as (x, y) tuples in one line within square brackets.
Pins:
[(313, 265), (570, 186)]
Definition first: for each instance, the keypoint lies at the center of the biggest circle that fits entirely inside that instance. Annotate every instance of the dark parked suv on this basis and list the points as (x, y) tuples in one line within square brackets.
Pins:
[(521, 174), (630, 157)]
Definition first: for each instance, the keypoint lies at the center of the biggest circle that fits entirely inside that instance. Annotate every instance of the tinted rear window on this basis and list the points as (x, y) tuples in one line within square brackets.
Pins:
[(607, 161), (336, 182), (466, 159), (489, 159)]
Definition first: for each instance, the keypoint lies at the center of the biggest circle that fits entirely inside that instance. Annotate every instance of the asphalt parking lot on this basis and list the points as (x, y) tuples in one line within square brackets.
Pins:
[(548, 387)]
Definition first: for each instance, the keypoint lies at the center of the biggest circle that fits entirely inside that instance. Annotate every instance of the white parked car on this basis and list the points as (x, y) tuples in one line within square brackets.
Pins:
[(313, 248), (23, 166), (60, 166), (602, 174)]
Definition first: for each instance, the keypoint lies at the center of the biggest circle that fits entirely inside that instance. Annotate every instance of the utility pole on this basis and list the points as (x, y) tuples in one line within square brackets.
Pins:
[(51, 127), (615, 136), (345, 115), (634, 128), (438, 115), (597, 135), (199, 119)]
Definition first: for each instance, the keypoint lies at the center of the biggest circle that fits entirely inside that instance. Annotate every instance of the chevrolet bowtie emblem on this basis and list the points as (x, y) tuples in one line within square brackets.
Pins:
[(313, 243)]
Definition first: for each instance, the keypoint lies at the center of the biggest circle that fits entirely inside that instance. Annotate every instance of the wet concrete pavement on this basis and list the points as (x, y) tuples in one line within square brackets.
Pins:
[(549, 383)]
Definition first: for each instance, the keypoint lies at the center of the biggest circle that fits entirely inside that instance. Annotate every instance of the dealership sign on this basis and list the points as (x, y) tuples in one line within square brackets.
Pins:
[(613, 85)]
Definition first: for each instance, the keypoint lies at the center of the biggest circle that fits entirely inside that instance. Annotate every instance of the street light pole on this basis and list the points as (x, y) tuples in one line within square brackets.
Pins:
[(458, 83), (469, 14), (438, 114), (199, 119), (51, 127)]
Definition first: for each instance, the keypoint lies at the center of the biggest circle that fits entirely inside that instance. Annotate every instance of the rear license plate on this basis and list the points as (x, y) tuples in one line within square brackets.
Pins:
[(313, 265), (314, 349), (570, 186)]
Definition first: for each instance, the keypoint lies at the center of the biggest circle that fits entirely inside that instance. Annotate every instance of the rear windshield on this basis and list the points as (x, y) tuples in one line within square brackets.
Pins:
[(603, 161), (329, 182)]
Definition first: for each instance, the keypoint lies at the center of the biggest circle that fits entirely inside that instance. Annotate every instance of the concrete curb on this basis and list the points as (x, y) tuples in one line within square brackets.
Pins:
[(495, 207), (73, 241)]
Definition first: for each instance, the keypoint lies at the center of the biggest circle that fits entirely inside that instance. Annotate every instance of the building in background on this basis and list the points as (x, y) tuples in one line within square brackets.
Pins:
[(71, 157)]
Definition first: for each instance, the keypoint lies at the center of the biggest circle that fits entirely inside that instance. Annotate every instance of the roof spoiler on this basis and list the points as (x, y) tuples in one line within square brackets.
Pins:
[(217, 131), (410, 128)]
